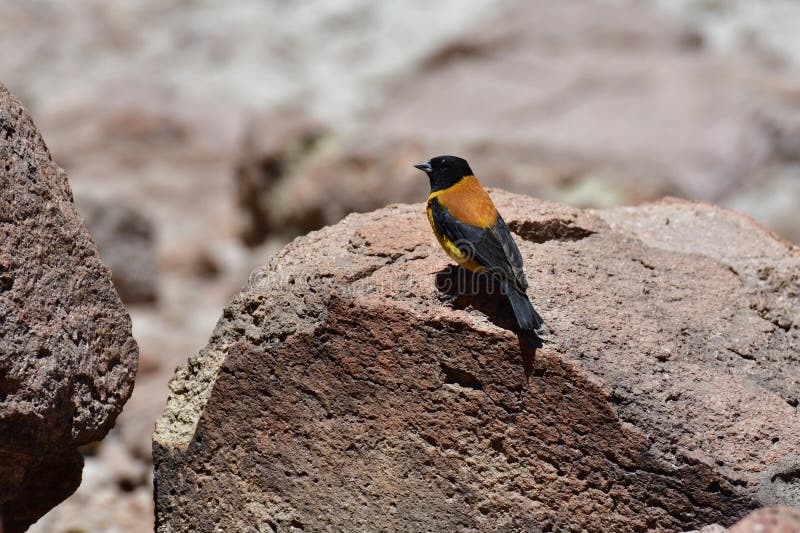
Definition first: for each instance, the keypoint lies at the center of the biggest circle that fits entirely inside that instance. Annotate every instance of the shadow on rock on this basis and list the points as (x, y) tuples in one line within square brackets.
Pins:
[(464, 289)]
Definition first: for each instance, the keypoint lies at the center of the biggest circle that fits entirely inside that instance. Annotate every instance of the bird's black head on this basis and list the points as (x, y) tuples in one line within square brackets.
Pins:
[(444, 171)]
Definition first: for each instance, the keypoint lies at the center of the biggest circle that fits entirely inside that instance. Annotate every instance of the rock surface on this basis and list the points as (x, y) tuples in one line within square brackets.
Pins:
[(339, 392), (770, 520), (67, 357), (166, 143)]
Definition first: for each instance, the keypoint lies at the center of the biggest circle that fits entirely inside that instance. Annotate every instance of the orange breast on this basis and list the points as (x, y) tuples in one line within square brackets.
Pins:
[(469, 202)]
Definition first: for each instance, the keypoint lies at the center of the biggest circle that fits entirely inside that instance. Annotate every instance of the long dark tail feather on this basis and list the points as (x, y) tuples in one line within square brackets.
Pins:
[(529, 342), (527, 317)]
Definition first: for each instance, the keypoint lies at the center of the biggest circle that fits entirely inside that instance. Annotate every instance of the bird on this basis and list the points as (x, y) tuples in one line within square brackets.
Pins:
[(470, 229)]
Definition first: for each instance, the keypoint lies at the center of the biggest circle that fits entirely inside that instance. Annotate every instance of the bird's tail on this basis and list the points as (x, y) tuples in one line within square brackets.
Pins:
[(527, 317)]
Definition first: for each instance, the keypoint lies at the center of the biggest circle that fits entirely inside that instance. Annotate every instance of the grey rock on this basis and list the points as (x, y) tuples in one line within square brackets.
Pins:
[(780, 484)]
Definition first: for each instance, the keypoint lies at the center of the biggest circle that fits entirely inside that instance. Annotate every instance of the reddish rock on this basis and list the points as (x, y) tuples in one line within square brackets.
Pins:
[(339, 392), (770, 520), (67, 358)]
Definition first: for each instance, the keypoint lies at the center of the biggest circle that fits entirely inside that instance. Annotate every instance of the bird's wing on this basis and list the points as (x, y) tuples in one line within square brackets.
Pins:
[(511, 251), (492, 247)]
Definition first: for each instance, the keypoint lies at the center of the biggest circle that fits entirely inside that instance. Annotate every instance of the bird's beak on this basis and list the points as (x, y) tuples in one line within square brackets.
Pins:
[(425, 166)]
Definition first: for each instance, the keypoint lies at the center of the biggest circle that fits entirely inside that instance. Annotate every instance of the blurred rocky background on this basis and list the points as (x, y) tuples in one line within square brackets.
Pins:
[(200, 136)]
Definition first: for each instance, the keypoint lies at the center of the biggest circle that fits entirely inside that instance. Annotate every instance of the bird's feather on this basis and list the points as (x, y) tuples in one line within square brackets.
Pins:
[(492, 248)]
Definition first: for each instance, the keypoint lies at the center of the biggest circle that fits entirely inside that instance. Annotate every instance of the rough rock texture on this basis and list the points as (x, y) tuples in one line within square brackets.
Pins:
[(781, 483), (166, 86), (339, 392), (67, 358), (713, 528), (126, 240)]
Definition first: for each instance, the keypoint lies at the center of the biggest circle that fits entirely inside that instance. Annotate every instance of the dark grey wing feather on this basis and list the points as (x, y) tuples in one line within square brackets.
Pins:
[(493, 248), (511, 250)]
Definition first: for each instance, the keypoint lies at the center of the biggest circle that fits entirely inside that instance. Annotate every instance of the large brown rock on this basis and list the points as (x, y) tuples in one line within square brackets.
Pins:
[(67, 358), (339, 392)]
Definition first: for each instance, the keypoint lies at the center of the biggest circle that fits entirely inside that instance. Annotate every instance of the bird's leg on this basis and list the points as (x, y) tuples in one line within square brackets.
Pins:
[(447, 284)]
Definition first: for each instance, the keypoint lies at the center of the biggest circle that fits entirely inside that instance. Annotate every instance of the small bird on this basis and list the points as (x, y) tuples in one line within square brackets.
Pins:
[(472, 232)]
